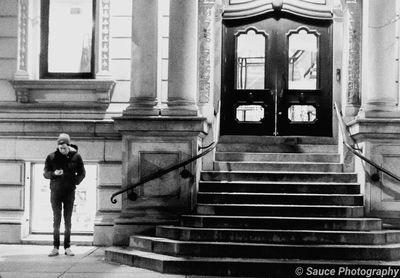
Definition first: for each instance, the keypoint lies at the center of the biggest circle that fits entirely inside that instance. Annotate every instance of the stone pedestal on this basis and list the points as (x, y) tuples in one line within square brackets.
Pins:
[(149, 145), (380, 142)]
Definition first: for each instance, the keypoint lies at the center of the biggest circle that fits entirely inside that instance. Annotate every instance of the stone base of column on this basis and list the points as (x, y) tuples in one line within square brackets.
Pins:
[(180, 108), (142, 107), (134, 111), (151, 144), (181, 111), (379, 141), (365, 114), (379, 110)]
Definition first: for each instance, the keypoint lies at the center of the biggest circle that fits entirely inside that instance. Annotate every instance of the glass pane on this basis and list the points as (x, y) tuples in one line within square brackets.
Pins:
[(70, 45), (303, 53), (302, 113), (250, 61), (249, 113)]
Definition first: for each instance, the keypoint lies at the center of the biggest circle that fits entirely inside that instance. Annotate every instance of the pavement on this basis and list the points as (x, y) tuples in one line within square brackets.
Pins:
[(32, 261)]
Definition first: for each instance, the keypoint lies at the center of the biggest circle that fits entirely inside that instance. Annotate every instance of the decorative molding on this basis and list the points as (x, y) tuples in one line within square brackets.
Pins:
[(317, 9), (23, 38), (206, 45), (27, 91), (305, 28), (104, 40), (354, 67)]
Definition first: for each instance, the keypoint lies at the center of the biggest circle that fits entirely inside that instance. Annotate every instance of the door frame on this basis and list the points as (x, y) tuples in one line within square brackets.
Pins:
[(248, 9), (29, 202)]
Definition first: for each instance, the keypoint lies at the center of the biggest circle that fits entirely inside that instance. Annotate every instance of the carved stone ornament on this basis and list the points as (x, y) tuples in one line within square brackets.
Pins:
[(206, 23), (23, 34), (319, 9), (354, 67), (103, 26)]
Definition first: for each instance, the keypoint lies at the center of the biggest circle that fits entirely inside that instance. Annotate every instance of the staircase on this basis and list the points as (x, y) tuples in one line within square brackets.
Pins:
[(268, 209)]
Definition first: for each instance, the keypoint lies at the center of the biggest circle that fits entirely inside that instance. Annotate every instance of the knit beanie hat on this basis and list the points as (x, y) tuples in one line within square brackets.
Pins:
[(63, 138)]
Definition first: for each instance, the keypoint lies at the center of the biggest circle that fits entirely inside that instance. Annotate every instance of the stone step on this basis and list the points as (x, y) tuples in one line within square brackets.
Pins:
[(277, 176), (280, 210), (281, 222), (278, 166), (279, 236), (275, 140), (274, 198), (279, 187), (385, 252), (276, 148), (276, 157), (237, 267)]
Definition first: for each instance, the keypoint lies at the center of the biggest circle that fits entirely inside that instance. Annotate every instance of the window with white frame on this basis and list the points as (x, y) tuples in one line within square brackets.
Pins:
[(67, 39)]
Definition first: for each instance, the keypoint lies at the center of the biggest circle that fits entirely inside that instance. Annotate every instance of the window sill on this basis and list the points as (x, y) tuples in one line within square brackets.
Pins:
[(69, 92)]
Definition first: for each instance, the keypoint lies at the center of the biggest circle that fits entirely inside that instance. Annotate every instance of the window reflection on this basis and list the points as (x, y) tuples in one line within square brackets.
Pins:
[(303, 66), (250, 60), (70, 45), (302, 113), (249, 113)]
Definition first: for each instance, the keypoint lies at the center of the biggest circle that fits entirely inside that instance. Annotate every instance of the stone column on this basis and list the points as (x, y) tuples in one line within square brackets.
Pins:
[(182, 60), (143, 99), (379, 74)]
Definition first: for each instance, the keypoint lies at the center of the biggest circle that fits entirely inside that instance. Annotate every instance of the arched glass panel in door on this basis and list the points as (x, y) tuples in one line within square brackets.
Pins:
[(250, 60), (303, 62)]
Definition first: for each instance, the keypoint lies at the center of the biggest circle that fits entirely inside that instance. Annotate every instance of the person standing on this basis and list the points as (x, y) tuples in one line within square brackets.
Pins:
[(65, 170)]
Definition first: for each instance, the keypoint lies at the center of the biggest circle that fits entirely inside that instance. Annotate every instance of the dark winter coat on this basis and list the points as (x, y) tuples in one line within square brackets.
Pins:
[(72, 166)]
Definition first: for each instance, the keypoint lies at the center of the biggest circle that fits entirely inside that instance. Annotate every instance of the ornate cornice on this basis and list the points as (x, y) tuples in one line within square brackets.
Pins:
[(318, 9)]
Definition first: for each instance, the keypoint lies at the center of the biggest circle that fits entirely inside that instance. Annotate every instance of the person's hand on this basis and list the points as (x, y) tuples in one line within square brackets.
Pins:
[(58, 172)]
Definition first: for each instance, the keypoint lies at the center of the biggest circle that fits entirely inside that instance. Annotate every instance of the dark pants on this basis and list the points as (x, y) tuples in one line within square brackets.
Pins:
[(59, 198)]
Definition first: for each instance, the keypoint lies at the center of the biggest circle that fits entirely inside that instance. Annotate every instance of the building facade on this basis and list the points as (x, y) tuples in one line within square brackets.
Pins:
[(165, 78)]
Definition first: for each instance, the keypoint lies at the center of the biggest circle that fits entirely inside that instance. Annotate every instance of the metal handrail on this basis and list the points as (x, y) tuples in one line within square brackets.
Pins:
[(162, 172), (347, 137)]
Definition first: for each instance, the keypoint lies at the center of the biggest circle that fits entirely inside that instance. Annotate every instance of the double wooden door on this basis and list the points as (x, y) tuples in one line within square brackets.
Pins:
[(277, 77)]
